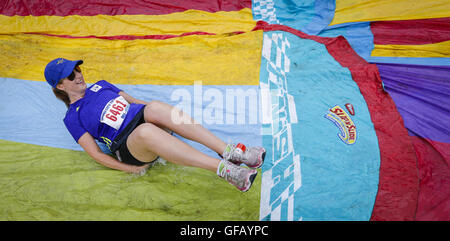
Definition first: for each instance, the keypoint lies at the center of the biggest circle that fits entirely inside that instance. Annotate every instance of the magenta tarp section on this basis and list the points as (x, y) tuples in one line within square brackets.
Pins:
[(116, 7)]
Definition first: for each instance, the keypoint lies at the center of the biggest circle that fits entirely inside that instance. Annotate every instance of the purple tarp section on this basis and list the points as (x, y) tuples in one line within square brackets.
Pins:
[(422, 96)]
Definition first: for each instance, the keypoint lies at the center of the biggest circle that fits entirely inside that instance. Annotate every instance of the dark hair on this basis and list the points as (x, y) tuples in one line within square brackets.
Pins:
[(62, 95)]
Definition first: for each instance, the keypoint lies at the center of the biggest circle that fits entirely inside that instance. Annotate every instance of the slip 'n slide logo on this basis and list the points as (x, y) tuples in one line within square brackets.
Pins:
[(345, 124)]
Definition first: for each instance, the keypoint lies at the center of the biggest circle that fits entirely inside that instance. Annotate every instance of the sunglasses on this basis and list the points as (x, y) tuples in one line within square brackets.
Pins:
[(71, 77)]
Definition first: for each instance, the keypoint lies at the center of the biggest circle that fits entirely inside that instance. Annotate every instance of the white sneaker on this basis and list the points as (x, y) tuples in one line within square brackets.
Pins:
[(253, 157), (240, 177)]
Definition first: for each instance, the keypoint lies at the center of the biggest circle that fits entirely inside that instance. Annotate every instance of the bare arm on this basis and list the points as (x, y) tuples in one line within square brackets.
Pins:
[(90, 146), (131, 99)]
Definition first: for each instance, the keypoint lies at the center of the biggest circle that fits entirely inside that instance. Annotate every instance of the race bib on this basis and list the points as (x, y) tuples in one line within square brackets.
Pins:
[(115, 112)]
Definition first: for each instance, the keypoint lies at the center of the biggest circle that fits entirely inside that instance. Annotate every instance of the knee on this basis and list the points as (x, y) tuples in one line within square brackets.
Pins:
[(153, 110), (143, 133)]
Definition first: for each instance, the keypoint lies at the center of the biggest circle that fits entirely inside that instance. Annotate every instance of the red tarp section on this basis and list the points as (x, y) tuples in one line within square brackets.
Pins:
[(434, 198), (116, 7), (411, 32), (133, 37)]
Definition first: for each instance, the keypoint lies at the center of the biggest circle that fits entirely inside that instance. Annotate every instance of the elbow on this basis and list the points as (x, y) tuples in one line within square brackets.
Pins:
[(97, 156)]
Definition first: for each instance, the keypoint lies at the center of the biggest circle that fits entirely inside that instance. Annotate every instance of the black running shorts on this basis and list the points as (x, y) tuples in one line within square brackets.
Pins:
[(119, 145)]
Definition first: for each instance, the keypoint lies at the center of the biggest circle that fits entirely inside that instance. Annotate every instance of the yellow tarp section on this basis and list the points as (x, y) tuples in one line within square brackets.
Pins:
[(441, 50), (106, 25), (212, 59), (383, 10)]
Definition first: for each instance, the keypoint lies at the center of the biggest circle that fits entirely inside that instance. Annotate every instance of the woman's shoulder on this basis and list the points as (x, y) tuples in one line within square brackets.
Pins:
[(95, 87), (71, 113), (102, 83)]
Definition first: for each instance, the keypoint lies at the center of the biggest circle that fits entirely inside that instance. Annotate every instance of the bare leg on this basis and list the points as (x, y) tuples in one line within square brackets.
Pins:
[(148, 139), (160, 113)]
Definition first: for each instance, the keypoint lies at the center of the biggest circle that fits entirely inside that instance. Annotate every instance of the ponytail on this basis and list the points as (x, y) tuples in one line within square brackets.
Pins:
[(62, 95)]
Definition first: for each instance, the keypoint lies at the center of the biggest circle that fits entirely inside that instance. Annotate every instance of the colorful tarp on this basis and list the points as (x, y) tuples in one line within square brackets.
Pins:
[(204, 71), (410, 37), (420, 94), (417, 79), (350, 162), (348, 98)]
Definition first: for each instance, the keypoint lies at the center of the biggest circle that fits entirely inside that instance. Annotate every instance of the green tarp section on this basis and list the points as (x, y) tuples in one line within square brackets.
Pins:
[(44, 183)]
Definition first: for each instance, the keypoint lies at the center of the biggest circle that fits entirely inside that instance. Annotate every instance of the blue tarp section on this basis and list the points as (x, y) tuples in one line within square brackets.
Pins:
[(40, 110), (309, 16), (316, 173), (313, 17)]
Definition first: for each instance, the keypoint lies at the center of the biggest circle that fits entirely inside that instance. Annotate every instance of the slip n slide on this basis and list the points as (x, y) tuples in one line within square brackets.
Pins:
[(348, 100)]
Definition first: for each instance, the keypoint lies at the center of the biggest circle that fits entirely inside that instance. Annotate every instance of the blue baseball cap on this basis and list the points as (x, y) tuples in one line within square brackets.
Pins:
[(59, 69)]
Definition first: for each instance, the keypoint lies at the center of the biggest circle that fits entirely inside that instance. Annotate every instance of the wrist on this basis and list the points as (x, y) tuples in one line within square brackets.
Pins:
[(134, 169)]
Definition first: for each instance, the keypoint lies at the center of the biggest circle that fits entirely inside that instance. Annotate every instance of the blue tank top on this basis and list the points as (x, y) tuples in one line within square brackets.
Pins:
[(102, 112)]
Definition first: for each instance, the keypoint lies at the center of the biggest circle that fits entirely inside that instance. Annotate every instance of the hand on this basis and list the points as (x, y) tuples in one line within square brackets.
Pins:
[(140, 170)]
